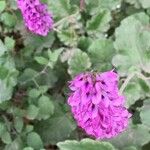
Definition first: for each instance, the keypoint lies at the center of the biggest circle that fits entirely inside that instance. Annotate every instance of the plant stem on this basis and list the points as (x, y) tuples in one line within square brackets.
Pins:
[(126, 82), (65, 19), (82, 5)]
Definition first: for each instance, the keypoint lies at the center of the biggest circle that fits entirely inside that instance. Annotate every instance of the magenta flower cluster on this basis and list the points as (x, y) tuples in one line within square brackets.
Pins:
[(36, 16), (97, 105)]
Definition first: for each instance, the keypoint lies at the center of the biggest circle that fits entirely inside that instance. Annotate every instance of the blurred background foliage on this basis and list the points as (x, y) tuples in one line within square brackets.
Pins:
[(34, 72)]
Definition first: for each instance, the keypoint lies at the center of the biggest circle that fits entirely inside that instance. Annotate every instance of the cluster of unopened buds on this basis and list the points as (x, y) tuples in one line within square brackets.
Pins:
[(97, 105), (36, 16)]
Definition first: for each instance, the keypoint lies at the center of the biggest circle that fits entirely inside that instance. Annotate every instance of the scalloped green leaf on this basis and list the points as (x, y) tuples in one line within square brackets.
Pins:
[(69, 37), (61, 8), (18, 124), (6, 138), (133, 93), (8, 19), (96, 5), (85, 144), (99, 23), (32, 112), (135, 135), (79, 62), (101, 52), (38, 42), (133, 49), (8, 77), (34, 141), (41, 60), (145, 3), (10, 43), (46, 108), (56, 128), (17, 144)]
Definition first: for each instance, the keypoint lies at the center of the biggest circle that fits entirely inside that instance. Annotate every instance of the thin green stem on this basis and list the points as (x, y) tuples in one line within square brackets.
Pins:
[(43, 71), (64, 19), (37, 85), (126, 82), (139, 75)]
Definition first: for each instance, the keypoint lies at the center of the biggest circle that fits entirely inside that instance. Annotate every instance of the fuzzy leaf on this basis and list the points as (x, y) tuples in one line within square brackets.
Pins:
[(134, 49), (85, 144), (34, 140), (99, 23), (79, 62)]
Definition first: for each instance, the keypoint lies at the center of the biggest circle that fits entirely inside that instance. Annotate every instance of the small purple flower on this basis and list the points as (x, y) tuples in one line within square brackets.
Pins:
[(97, 105), (36, 16)]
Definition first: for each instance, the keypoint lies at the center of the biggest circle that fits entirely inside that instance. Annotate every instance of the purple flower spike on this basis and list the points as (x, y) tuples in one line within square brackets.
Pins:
[(97, 105), (36, 16)]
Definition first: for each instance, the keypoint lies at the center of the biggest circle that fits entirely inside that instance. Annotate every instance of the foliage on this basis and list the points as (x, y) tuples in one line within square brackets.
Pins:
[(34, 71), (85, 144)]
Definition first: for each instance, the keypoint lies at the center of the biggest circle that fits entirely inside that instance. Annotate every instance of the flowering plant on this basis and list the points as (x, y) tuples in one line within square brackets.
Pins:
[(74, 74)]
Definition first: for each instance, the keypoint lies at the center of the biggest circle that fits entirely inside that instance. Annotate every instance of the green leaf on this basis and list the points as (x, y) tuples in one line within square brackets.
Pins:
[(49, 78), (95, 6), (46, 107), (3, 72), (57, 128), (145, 3), (13, 4), (145, 86), (69, 37), (2, 5), (130, 148), (8, 19), (10, 43), (16, 111), (41, 60), (39, 42), (144, 114), (34, 141), (101, 52), (133, 93), (17, 144), (59, 8), (8, 77), (135, 135), (2, 128), (99, 23), (134, 2), (84, 43), (34, 93), (133, 49), (122, 63), (32, 112), (79, 62), (6, 91), (53, 56), (28, 148), (27, 74), (85, 144), (18, 124), (6, 138), (43, 89), (29, 128), (110, 4)]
